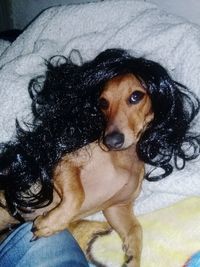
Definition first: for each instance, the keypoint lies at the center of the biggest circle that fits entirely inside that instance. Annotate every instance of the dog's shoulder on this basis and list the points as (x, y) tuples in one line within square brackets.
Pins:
[(81, 156)]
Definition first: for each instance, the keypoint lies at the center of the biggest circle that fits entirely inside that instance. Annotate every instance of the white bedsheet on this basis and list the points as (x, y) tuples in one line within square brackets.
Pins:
[(137, 26)]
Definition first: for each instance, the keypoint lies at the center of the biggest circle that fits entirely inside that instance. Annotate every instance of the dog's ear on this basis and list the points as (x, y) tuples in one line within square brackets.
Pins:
[(169, 134)]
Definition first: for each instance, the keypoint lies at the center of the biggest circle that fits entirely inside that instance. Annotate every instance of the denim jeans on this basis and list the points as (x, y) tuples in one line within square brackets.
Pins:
[(59, 250)]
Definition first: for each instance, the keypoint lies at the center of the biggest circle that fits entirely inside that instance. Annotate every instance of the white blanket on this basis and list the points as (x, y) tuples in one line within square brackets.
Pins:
[(137, 26)]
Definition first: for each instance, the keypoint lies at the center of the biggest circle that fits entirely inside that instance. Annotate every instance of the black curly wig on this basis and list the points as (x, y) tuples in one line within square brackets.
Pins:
[(67, 117)]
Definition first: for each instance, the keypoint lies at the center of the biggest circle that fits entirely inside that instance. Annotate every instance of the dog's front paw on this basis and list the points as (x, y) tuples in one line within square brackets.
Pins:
[(129, 260), (45, 226), (131, 257)]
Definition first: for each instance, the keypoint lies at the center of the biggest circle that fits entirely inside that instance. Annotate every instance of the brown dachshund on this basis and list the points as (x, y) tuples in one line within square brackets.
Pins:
[(103, 176)]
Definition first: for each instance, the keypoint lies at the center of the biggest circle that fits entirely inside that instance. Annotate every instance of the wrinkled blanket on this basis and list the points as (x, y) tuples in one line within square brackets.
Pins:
[(137, 26), (170, 238)]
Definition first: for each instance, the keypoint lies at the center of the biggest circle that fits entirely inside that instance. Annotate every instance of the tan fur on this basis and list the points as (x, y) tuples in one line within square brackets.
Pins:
[(94, 179)]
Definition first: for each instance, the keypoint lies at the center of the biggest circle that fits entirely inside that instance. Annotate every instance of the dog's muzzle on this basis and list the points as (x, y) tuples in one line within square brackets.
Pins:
[(114, 140)]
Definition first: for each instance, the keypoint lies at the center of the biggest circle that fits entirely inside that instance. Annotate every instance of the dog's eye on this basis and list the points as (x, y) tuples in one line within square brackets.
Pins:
[(136, 97), (103, 103)]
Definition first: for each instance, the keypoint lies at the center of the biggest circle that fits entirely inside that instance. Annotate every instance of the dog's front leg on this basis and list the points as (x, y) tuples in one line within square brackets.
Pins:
[(122, 219), (69, 188)]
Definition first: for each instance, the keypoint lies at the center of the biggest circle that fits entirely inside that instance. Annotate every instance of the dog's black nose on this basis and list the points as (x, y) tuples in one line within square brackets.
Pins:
[(114, 140)]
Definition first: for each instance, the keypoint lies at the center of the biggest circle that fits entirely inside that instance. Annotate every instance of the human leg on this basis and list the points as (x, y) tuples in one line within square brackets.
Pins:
[(59, 250)]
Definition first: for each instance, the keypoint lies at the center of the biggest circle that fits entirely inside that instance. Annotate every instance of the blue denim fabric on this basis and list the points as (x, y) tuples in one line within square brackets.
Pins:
[(194, 261), (59, 250)]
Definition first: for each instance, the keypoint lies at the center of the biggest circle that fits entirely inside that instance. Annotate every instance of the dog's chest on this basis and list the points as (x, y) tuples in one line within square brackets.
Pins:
[(104, 180)]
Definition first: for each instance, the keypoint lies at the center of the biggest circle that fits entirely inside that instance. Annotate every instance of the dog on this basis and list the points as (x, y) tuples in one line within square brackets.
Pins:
[(95, 127)]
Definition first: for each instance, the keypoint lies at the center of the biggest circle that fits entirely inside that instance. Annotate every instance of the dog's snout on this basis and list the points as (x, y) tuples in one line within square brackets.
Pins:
[(114, 140)]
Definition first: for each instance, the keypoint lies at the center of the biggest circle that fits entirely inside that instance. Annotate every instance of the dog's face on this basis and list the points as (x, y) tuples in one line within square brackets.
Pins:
[(128, 110)]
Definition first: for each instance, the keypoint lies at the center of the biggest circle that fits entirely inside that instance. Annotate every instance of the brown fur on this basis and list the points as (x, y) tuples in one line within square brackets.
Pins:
[(96, 179)]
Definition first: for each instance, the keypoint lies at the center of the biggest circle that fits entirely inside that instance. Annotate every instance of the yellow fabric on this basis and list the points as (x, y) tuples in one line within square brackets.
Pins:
[(170, 237)]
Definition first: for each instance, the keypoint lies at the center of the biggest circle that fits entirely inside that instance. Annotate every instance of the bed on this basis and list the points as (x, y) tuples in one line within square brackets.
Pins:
[(144, 30)]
